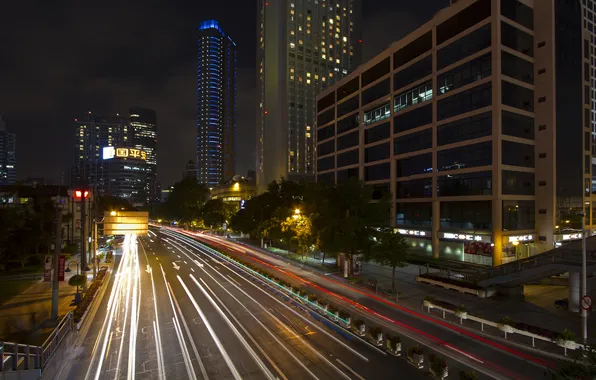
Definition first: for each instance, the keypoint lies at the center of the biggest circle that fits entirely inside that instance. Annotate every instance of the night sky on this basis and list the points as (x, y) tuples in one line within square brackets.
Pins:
[(62, 58)]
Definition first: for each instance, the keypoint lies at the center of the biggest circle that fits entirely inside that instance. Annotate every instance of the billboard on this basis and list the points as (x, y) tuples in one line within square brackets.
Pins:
[(126, 222), (110, 152)]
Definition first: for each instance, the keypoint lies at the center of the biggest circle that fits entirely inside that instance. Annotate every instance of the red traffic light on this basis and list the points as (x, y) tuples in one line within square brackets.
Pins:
[(79, 193)]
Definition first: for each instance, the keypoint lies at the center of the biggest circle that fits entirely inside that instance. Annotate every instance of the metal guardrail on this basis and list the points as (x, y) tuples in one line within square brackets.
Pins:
[(49, 347)]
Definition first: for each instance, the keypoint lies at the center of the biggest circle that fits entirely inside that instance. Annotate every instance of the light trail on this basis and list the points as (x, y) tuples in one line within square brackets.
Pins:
[(433, 339), (220, 346)]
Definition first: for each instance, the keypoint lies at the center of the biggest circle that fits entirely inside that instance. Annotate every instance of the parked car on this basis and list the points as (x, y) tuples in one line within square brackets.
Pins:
[(562, 304)]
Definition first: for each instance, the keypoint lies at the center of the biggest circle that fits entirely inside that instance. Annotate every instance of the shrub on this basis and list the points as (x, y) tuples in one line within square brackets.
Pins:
[(77, 280), (461, 309), (357, 322), (343, 315), (468, 375), (375, 331), (506, 321), (437, 363), (566, 335), (415, 350), (536, 330), (429, 299), (393, 340), (322, 301)]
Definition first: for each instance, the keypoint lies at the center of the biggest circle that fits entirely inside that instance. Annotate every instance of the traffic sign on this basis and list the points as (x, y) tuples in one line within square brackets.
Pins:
[(587, 303)]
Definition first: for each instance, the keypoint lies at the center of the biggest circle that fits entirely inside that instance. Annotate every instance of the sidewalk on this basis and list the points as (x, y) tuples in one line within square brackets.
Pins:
[(25, 318)]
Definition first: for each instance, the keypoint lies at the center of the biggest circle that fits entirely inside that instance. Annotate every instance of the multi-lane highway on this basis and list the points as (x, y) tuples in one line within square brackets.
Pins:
[(461, 347), (176, 310)]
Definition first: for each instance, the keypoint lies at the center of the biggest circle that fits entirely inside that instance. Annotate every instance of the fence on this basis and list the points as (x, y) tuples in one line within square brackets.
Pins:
[(48, 357)]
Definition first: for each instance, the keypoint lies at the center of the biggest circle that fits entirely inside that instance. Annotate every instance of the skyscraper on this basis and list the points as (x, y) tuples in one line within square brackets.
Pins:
[(92, 134), (589, 13), (8, 157), (143, 122), (303, 46), (216, 104)]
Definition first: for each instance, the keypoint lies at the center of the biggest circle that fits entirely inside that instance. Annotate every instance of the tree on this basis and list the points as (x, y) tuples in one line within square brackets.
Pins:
[(579, 369), (390, 250), (215, 212), (348, 219), (299, 228), (185, 202)]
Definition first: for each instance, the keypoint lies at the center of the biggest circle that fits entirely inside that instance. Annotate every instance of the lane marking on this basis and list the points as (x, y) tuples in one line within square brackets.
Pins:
[(349, 369), (220, 346)]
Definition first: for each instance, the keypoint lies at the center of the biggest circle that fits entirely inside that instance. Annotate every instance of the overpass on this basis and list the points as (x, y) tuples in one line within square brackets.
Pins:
[(567, 258)]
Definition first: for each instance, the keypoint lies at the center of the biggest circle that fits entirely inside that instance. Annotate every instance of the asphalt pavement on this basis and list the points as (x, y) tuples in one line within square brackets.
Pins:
[(462, 347), (175, 311)]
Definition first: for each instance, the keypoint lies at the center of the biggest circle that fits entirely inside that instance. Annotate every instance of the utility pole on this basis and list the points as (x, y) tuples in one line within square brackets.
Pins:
[(584, 284), (57, 249), (83, 240)]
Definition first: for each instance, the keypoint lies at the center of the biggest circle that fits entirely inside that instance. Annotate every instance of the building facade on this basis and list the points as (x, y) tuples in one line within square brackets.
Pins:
[(8, 155), (92, 134), (479, 125), (143, 122), (190, 170), (216, 104), (124, 174), (303, 46)]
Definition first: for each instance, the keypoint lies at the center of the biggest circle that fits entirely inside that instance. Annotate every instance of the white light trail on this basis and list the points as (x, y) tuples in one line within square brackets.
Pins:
[(220, 346)]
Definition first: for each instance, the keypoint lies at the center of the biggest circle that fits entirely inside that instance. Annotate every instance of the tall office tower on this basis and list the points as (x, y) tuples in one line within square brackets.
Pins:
[(92, 134), (589, 12), (8, 155), (143, 122), (216, 104), (303, 46), (479, 124)]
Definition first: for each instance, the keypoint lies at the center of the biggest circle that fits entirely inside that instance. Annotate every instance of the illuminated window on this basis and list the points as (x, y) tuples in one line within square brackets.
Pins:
[(308, 75), (292, 45), (308, 81)]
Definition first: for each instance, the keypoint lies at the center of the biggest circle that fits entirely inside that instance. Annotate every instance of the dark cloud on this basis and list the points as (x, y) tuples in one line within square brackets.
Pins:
[(62, 58)]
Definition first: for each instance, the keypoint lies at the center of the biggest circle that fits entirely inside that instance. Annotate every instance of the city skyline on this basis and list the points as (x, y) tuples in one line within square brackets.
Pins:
[(101, 70)]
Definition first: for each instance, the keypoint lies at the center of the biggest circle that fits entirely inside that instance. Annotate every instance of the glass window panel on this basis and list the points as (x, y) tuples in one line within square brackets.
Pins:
[(518, 183), (377, 152), (477, 183), (517, 125), (469, 215), (347, 141), (413, 142), (465, 74), (348, 158), (417, 188), (517, 154), (377, 172), (378, 133), (413, 73), (465, 157), (414, 214), (467, 101), (375, 92), (465, 129), (420, 164), (464, 47), (515, 39), (413, 96), (413, 119), (518, 215)]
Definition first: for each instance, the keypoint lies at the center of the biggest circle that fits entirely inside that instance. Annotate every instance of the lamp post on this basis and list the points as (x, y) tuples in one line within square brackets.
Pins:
[(584, 282)]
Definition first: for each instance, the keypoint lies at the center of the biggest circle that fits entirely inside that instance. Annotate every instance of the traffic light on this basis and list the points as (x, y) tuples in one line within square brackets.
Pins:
[(80, 193)]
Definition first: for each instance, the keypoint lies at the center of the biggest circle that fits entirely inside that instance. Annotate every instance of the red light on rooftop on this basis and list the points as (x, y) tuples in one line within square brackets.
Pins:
[(266, 112), (359, 41)]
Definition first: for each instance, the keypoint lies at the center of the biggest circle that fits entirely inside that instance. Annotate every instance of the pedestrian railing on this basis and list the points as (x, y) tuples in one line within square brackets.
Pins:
[(17, 356), (22, 277), (48, 357)]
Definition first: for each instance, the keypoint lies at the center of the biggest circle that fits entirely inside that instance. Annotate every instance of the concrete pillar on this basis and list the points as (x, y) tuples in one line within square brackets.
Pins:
[(497, 220), (435, 229), (574, 291)]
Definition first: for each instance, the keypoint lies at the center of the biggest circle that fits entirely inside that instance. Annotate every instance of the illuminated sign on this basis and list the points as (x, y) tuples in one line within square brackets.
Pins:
[(453, 236), (110, 152), (520, 238), (572, 236), (411, 232)]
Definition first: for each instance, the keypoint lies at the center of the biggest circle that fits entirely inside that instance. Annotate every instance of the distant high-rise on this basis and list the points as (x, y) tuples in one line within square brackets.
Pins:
[(143, 122), (216, 104), (589, 12), (190, 170), (8, 156), (302, 48), (92, 134)]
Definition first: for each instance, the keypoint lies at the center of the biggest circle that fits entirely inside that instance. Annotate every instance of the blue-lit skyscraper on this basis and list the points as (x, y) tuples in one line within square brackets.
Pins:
[(216, 104)]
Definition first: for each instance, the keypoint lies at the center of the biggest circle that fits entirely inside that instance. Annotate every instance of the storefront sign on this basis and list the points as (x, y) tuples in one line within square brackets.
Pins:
[(572, 236), (411, 232), (520, 238), (453, 236)]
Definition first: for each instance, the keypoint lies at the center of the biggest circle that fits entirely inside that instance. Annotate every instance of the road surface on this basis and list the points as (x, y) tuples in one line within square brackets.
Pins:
[(175, 311), (462, 347)]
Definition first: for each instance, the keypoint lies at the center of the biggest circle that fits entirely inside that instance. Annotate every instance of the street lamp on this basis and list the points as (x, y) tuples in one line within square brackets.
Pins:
[(113, 213), (297, 211)]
